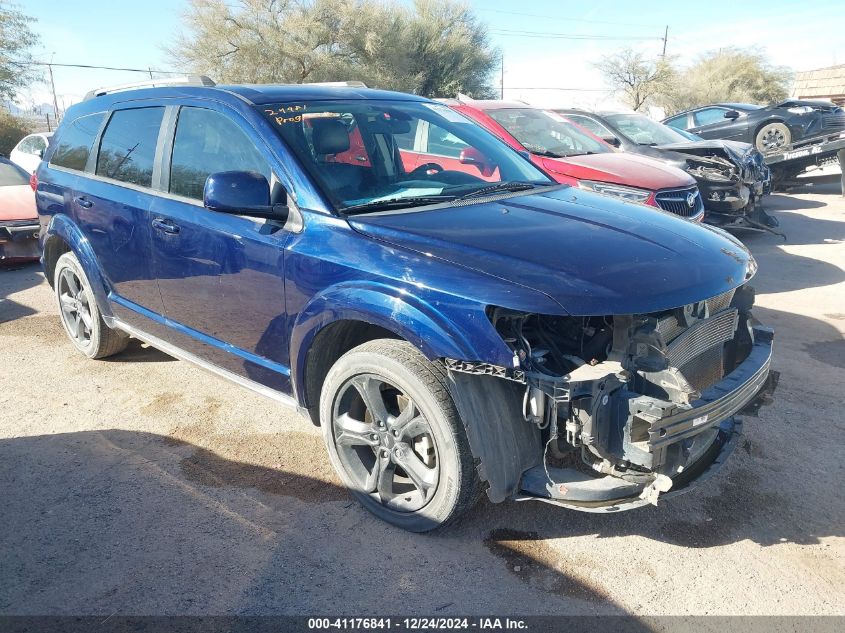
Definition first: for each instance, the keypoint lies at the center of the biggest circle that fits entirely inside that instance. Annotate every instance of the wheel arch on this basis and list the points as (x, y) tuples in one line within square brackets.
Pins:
[(343, 317), (63, 236), (774, 118)]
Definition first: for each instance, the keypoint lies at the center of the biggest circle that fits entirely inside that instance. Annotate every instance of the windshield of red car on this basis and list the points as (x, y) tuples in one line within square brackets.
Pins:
[(547, 133), (368, 153), (644, 131), (11, 175)]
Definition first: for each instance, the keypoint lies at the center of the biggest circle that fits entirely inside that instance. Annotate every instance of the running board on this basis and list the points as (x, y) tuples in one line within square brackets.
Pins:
[(175, 352)]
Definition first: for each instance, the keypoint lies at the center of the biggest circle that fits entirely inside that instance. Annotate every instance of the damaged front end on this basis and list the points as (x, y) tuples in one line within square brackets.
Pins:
[(625, 408), (732, 178)]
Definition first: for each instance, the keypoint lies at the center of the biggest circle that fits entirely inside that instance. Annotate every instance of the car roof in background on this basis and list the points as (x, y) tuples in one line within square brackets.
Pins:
[(739, 106), (491, 104)]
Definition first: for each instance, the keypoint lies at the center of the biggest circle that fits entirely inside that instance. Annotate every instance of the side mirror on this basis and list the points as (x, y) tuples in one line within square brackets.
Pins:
[(39, 153), (471, 156), (611, 140), (241, 193), (733, 115)]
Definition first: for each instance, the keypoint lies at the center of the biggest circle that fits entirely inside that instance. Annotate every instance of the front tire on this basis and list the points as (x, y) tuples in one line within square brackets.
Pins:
[(773, 137), (395, 438), (79, 313)]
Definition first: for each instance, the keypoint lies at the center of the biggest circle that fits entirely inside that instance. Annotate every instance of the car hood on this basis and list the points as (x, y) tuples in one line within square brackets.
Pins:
[(737, 150), (592, 254), (17, 202), (620, 169)]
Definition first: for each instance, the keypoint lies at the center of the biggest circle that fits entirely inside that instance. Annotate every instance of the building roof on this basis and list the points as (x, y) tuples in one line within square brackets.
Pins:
[(823, 82)]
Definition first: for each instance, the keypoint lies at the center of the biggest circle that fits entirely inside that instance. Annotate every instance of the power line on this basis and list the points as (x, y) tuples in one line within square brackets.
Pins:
[(131, 70), (567, 36), (556, 88), (567, 19)]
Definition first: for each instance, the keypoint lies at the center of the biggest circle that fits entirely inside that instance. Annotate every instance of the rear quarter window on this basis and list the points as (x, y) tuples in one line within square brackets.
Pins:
[(75, 141)]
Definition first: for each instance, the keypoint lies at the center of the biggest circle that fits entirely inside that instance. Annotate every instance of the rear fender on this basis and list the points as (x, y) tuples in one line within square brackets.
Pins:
[(62, 227)]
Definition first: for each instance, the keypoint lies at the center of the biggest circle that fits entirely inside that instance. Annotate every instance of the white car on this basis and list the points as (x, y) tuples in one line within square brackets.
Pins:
[(29, 151)]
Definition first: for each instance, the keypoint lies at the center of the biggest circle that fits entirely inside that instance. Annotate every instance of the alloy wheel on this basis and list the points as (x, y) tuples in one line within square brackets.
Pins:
[(385, 444), (773, 139), (75, 306)]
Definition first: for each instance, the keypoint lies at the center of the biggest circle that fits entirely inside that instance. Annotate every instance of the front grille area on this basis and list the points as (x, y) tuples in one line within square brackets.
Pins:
[(677, 201), (833, 121), (701, 337), (670, 328), (705, 369), (696, 351), (720, 302)]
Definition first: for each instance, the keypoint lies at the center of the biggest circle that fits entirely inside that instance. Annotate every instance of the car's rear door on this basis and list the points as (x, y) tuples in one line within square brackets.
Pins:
[(221, 276), (112, 201)]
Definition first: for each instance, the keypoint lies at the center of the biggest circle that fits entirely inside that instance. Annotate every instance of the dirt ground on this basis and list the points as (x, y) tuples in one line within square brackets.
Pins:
[(142, 485)]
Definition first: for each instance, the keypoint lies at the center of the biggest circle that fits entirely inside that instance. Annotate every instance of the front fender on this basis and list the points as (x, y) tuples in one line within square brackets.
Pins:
[(61, 227), (433, 330)]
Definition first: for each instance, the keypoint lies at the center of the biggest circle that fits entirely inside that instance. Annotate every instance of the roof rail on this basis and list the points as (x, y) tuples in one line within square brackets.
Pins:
[(186, 80), (348, 84)]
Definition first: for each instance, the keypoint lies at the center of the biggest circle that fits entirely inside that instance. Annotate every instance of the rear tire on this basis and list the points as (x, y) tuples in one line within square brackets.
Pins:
[(80, 314), (395, 438), (773, 137)]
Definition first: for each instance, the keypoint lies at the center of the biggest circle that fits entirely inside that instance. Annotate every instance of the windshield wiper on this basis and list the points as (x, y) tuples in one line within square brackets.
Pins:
[(395, 203), (513, 185)]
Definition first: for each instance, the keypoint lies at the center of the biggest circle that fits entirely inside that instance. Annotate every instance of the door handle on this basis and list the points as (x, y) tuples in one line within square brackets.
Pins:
[(165, 226), (84, 202)]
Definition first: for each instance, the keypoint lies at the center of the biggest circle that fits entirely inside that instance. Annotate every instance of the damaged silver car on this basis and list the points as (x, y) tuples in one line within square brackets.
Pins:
[(732, 176)]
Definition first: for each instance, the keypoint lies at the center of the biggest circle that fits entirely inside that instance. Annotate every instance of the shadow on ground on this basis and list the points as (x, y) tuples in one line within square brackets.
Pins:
[(13, 279), (119, 521)]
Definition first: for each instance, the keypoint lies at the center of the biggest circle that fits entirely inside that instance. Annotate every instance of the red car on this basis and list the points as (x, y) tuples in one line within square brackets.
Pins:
[(18, 218), (574, 156)]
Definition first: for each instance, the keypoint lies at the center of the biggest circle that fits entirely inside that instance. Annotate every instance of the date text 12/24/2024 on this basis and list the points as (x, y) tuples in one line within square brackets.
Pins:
[(417, 624)]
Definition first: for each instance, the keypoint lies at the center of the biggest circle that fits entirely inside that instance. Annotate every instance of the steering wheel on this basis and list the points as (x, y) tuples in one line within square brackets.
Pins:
[(424, 169)]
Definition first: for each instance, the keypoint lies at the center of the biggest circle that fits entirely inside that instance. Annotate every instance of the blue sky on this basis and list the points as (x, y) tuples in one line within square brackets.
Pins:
[(801, 35)]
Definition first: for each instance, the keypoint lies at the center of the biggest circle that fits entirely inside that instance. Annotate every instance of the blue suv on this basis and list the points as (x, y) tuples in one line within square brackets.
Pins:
[(454, 321)]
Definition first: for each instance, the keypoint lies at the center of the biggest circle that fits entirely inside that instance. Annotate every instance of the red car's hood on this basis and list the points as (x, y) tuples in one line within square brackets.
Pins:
[(619, 169), (17, 202)]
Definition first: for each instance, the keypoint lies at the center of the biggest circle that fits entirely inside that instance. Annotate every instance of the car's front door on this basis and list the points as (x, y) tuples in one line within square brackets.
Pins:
[(712, 123), (221, 276)]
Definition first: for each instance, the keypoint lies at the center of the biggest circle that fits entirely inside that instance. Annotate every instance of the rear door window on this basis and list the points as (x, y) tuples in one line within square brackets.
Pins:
[(128, 148), (75, 141), (207, 142)]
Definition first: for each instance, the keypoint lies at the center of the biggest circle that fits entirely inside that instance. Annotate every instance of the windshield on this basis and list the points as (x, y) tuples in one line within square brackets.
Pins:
[(11, 175), (368, 155), (547, 133), (644, 131)]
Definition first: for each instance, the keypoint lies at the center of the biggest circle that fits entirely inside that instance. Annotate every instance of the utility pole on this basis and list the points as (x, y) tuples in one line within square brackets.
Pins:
[(665, 37), (502, 80), (53, 86)]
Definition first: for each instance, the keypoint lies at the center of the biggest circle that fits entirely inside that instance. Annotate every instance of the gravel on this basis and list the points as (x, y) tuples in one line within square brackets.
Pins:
[(142, 485)]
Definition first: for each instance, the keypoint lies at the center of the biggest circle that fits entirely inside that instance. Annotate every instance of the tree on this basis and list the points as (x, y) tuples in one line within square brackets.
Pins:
[(435, 48), (729, 75), (640, 79), (16, 40), (12, 130)]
